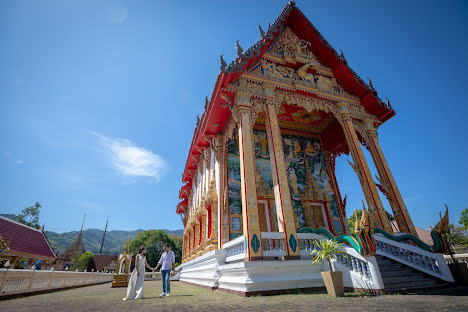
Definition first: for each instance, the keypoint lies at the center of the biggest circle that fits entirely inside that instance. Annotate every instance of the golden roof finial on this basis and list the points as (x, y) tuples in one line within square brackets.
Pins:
[(127, 245), (356, 225), (364, 220)]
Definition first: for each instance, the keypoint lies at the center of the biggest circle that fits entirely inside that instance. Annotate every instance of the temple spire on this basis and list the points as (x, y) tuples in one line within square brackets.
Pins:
[(82, 225)]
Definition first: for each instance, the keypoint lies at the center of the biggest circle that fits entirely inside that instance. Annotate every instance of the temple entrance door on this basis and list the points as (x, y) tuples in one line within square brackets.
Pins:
[(314, 214), (264, 216)]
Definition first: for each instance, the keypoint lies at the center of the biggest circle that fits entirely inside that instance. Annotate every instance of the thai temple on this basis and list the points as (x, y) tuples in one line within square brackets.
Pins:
[(259, 181)]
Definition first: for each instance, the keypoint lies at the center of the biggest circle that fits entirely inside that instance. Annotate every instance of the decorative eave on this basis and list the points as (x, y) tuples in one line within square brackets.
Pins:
[(217, 114), (182, 206)]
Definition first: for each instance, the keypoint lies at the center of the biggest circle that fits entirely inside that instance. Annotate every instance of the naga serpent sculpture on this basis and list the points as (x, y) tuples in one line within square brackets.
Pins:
[(363, 241)]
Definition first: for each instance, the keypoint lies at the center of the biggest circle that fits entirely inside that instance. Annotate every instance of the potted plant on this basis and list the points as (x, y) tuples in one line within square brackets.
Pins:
[(327, 250)]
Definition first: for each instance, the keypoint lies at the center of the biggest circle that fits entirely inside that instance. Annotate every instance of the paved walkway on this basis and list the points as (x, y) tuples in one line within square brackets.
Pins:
[(191, 298)]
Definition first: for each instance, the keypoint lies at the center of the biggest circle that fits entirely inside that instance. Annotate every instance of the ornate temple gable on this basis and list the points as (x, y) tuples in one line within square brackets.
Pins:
[(291, 65), (299, 79), (291, 49)]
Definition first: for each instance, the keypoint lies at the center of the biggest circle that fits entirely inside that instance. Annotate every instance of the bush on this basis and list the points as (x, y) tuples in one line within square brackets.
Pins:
[(84, 261)]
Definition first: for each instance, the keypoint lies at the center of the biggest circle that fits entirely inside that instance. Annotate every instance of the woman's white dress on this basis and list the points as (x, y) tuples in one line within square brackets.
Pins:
[(135, 283)]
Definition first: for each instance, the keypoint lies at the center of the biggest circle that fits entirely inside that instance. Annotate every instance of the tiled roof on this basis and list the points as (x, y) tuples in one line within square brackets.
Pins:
[(102, 261), (24, 240), (423, 234)]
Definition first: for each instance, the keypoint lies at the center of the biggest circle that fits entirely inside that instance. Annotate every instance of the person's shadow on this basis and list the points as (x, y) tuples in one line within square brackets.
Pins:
[(157, 297)]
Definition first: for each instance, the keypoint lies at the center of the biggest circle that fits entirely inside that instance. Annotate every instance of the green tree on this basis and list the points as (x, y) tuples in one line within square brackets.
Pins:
[(30, 215), (464, 218), (83, 261), (154, 241), (179, 242), (352, 219)]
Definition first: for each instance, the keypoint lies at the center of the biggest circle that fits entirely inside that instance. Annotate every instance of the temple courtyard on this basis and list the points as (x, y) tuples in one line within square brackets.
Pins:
[(186, 297)]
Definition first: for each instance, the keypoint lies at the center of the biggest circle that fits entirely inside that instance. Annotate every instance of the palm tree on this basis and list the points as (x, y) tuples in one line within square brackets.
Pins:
[(326, 250)]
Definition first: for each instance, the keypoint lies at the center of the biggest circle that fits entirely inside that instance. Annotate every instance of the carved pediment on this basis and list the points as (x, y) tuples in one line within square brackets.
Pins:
[(291, 47), (298, 78)]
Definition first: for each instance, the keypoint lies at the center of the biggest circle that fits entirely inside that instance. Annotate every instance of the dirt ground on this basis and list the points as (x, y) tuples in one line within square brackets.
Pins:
[(186, 297)]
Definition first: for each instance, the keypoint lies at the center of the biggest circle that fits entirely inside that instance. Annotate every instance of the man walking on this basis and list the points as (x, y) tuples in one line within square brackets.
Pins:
[(167, 264)]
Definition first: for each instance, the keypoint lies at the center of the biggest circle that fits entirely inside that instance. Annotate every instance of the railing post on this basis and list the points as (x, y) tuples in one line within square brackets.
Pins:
[(49, 281), (3, 281), (30, 280)]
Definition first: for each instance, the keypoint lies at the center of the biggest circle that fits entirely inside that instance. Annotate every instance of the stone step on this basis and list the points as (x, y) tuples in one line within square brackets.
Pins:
[(400, 277), (405, 289), (396, 272), (412, 284), (390, 267), (416, 277)]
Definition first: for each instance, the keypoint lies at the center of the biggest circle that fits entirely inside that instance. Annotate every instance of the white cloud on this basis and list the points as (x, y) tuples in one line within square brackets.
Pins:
[(117, 12), (132, 160), (19, 162)]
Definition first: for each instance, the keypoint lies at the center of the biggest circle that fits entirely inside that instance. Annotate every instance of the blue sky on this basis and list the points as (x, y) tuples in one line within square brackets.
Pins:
[(98, 99)]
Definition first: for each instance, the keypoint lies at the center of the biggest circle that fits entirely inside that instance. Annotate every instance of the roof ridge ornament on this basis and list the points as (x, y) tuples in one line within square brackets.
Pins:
[(370, 84), (262, 33), (342, 56), (388, 103), (239, 50), (223, 63)]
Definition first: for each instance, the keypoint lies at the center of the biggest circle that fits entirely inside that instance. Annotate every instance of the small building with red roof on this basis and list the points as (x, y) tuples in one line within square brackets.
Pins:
[(20, 242)]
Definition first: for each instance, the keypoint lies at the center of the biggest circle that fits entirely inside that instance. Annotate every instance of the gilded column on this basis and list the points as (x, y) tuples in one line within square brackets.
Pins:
[(377, 212), (190, 244), (202, 239), (402, 217), (222, 229), (284, 209), (207, 171), (196, 235), (252, 235), (213, 200), (330, 163)]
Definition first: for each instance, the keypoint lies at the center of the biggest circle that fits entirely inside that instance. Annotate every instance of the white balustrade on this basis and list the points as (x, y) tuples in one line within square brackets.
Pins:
[(461, 258), (273, 244), (152, 276), (306, 243), (235, 249), (415, 257), (23, 281)]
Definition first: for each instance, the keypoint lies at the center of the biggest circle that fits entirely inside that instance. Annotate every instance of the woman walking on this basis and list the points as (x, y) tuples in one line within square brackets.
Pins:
[(135, 284)]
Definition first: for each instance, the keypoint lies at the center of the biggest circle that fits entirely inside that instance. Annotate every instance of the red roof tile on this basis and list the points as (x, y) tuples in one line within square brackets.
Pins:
[(24, 240), (423, 234)]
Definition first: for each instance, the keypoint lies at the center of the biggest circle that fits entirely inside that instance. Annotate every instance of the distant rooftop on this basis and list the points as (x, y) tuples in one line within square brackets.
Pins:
[(24, 241)]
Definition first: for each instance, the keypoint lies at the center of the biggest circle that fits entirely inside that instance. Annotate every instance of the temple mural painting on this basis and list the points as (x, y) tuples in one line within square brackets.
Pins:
[(262, 157), (294, 148), (262, 161), (234, 188)]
